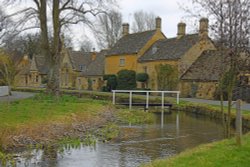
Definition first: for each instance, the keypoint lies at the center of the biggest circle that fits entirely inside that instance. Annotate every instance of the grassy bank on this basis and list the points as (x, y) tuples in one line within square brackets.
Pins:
[(43, 120), (222, 153)]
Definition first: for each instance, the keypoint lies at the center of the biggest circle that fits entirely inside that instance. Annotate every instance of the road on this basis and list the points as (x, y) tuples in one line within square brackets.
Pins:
[(17, 96)]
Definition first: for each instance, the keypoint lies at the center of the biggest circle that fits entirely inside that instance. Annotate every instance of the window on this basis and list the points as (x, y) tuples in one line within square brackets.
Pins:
[(145, 69), (36, 78), (122, 62), (81, 67)]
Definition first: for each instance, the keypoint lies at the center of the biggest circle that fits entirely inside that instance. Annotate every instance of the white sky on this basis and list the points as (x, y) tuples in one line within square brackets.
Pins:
[(169, 10)]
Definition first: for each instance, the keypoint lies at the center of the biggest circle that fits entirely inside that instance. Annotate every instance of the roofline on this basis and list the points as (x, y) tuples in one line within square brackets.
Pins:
[(142, 61), (123, 54), (199, 80)]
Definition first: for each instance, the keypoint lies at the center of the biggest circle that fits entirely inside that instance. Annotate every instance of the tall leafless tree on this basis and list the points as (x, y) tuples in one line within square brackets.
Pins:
[(231, 29), (108, 29), (52, 16), (6, 28), (86, 46), (143, 21)]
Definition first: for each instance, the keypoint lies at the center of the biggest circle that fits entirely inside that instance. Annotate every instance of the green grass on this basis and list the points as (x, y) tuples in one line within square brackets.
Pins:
[(126, 116), (44, 108), (217, 154)]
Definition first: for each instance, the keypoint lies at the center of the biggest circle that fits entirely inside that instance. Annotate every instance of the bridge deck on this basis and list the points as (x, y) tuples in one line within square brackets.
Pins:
[(145, 105)]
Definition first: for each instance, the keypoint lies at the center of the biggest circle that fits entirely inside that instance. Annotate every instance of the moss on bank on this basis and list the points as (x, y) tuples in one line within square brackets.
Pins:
[(222, 153)]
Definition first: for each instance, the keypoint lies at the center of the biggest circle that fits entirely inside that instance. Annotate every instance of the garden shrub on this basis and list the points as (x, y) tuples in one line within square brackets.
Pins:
[(111, 82), (126, 80)]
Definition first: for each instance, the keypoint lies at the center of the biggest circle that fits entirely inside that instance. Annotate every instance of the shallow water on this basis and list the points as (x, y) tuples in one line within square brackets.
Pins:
[(169, 135)]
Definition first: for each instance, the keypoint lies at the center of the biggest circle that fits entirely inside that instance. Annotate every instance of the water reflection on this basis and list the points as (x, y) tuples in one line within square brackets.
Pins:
[(171, 133)]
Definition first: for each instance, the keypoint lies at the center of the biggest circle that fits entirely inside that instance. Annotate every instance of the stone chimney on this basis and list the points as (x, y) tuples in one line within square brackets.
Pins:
[(125, 29), (93, 56), (203, 31), (181, 29), (158, 23)]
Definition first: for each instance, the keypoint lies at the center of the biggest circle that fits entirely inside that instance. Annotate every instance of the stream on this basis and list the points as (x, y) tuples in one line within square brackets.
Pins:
[(170, 134)]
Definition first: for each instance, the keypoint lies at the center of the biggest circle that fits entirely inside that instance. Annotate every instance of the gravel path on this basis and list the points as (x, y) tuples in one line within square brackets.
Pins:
[(245, 106), (17, 96)]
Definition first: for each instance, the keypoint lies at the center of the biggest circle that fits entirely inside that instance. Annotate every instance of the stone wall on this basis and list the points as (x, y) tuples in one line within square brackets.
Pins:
[(203, 90)]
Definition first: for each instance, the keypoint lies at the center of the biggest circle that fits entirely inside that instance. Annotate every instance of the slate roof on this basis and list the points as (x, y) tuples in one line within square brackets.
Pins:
[(170, 49), (131, 43), (96, 67), (206, 68), (78, 58)]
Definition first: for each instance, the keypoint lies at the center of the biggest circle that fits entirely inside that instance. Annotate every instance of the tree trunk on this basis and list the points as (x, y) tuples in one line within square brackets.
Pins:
[(54, 72)]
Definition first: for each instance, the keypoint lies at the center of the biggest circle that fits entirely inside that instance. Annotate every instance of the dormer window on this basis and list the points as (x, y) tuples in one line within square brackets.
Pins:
[(154, 50), (81, 67)]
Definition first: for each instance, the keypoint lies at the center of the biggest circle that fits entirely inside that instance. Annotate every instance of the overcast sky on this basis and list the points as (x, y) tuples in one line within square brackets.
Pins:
[(169, 10)]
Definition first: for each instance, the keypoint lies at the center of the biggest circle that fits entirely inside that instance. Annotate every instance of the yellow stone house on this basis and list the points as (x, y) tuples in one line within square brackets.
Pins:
[(202, 78), (92, 77), (142, 52), (73, 63), (33, 73), (127, 51)]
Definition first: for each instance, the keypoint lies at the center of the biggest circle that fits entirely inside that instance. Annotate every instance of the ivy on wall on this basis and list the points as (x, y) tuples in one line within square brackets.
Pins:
[(167, 76)]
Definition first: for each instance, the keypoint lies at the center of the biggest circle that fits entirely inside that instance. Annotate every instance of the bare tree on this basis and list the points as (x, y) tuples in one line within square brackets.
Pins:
[(6, 28), (108, 29), (86, 46), (231, 28), (63, 14), (143, 21)]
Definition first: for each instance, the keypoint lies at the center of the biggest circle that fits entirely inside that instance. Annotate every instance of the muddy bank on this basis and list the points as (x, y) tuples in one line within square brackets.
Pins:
[(74, 126)]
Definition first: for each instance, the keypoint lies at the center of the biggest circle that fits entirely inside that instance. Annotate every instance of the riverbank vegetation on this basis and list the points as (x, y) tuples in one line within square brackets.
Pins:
[(222, 153)]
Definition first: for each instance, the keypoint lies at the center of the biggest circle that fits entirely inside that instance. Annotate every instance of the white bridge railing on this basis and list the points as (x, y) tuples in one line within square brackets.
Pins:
[(147, 96)]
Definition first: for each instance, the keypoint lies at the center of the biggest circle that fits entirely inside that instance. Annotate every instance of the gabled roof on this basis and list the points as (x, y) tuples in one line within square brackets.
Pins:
[(39, 64), (78, 58), (206, 68), (170, 49), (96, 67), (131, 43)]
